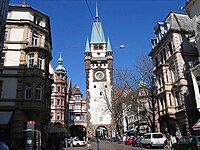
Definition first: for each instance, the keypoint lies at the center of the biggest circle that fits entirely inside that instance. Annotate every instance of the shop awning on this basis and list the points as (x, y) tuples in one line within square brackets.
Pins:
[(196, 125), (5, 117)]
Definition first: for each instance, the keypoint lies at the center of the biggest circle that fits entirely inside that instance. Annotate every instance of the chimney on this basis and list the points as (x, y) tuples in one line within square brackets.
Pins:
[(24, 4)]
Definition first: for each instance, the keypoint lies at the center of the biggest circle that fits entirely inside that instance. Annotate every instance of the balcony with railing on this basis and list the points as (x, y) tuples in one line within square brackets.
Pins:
[(34, 42)]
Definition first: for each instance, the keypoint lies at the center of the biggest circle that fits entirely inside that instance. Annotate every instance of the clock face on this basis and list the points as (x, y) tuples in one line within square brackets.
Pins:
[(99, 75)]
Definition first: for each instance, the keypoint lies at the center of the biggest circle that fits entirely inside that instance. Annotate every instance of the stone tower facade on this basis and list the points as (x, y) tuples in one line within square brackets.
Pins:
[(99, 80)]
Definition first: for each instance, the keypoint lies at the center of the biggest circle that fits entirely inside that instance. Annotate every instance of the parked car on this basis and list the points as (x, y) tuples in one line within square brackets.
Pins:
[(153, 140), (128, 141), (77, 142), (187, 143), (136, 141)]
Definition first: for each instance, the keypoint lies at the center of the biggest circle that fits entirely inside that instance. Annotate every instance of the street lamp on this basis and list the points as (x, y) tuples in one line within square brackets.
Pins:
[(184, 93)]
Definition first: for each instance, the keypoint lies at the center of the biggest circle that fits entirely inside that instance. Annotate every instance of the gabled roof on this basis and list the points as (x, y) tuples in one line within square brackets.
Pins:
[(179, 21)]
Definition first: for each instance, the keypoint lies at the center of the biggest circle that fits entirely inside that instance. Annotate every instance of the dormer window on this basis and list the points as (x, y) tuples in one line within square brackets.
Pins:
[(37, 20)]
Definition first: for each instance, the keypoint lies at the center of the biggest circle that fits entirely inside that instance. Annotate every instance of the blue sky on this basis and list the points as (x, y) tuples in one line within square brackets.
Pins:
[(128, 22)]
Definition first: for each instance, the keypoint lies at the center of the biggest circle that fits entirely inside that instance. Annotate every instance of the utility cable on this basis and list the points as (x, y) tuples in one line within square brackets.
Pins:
[(93, 18)]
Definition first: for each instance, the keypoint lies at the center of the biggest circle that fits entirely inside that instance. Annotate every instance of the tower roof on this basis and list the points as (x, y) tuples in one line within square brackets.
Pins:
[(97, 30), (97, 34), (109, 49), (87, 47), (60, 67)]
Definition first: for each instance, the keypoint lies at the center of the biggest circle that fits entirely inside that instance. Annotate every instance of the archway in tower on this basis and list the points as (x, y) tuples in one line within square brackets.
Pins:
[(78, 131), (102, 132)]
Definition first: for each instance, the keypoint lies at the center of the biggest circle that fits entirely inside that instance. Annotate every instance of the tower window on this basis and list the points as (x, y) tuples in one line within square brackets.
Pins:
[(98, 53), (95, 86), (101, 93), (95, 47), (106, 86), (58, 89), (58, 102)]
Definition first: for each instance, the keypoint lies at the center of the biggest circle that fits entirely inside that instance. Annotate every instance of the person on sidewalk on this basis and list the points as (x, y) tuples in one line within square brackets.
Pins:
[(98, 142), (89, 144)]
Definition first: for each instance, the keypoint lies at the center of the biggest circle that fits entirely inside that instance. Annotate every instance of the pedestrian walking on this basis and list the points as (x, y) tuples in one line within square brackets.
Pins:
[(178, 134), (98, 142), (66, 142), (169, 144), (89, 144), (71, 142)]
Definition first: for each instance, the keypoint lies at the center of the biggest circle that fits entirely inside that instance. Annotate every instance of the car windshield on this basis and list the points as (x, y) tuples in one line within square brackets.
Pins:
[(198, 137), (187, 139), (157, 136)]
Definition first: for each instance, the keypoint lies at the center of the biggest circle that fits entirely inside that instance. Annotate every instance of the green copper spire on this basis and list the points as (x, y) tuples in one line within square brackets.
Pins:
[(97, 36), (60, 67), (109, 49), (87, 47)]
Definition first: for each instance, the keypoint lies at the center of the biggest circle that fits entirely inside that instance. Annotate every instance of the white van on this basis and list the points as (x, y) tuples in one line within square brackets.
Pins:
[(153, 140)]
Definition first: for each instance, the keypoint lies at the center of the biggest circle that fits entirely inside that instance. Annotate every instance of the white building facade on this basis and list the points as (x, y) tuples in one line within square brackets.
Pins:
[(99, 79)]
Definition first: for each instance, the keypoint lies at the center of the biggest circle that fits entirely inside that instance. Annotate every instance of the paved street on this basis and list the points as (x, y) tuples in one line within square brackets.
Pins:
[(104, 145)]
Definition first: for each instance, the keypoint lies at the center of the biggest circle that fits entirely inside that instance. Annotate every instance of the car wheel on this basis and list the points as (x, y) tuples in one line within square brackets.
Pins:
[(149, 146), (78, 145)]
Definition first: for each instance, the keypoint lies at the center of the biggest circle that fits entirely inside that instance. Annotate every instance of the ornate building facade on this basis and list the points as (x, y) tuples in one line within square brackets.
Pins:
[(171, 53), (3, 17), (25, 84), (58, 96), (77, 113), (99, 80)]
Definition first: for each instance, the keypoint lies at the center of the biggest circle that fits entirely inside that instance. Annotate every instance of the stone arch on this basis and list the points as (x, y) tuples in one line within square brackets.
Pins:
[(101, 132), (78, 131)]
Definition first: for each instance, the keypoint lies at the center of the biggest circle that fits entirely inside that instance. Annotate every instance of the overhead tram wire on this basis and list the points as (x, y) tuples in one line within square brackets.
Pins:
[(93, 18)]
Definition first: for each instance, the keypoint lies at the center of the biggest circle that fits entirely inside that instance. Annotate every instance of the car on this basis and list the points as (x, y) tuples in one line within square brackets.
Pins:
[(136, 141), (153, 140), (128, 141), (187, 143), (77, 142)]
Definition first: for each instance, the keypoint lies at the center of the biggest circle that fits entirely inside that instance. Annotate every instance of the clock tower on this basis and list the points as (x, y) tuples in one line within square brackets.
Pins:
[(99, 81)]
